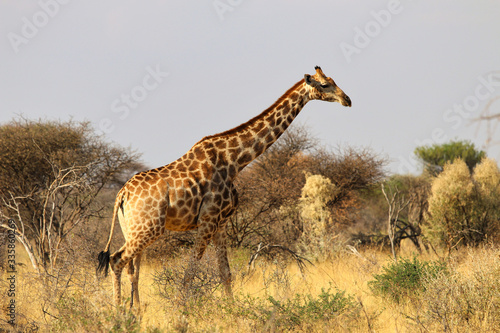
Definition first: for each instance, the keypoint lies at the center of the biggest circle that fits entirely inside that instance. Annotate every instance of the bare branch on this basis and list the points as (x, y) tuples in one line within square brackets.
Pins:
[(301, 261), (396, 204)]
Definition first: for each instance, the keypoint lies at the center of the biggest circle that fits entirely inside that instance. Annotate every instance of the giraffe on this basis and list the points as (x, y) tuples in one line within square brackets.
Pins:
[(197, 192)]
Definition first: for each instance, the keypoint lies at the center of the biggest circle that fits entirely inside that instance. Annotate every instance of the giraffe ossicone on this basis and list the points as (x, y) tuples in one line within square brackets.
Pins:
[(196, 191)]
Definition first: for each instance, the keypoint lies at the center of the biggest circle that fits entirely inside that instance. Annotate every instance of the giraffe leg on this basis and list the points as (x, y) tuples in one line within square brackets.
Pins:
[(202, 241), (133, 273), (116, 273), (221, 252), (118, 261)]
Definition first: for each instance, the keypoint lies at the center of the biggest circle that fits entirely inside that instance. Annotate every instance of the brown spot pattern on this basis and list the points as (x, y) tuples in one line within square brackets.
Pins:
[(197, 190)]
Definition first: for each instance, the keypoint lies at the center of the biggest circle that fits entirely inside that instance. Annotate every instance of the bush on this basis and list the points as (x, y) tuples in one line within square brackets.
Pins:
[(487, 178), (270, 188), (405, 278), (466, 299), (307, 309), (316, 217), (300, 313), (464, 209)]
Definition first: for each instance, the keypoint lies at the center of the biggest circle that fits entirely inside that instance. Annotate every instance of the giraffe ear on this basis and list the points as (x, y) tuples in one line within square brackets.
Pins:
[(307, 78), (310, 80)]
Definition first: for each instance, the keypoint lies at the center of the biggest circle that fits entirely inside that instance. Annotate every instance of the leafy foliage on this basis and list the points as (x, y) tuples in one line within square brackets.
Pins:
[(325, 307), (436, 156), (404, 278), (301, 312)]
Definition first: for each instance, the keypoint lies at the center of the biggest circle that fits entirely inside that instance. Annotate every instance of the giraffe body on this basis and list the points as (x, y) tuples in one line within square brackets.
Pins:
[(197, 191)]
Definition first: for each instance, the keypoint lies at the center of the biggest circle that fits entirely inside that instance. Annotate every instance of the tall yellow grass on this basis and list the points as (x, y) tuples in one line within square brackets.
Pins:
[(81, 302)]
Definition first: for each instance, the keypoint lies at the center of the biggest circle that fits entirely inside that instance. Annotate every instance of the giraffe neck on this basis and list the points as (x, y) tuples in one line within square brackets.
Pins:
[(239, 146)]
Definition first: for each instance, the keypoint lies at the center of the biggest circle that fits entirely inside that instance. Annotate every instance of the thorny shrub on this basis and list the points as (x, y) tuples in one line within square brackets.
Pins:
[(464, 209)]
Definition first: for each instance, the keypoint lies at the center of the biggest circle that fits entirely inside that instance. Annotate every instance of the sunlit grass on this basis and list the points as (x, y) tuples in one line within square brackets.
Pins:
[(83, 303)]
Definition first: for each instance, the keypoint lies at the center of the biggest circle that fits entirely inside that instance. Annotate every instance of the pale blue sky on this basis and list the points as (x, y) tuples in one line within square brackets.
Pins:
[(159, 75)]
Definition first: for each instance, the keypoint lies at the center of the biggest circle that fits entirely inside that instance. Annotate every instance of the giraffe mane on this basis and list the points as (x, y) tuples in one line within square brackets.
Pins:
[(254, 119)]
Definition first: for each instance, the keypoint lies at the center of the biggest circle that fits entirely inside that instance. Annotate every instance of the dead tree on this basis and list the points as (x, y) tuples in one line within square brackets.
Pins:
[(396, 204)]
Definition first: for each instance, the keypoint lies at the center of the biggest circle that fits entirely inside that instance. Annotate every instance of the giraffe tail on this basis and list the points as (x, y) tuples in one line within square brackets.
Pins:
[(103, 265), (104, 256)]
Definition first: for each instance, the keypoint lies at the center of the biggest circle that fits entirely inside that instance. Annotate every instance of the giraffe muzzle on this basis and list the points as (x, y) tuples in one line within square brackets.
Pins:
[(346, 101)]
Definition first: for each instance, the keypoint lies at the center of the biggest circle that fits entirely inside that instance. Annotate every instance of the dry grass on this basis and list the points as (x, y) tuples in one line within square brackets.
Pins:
[(466, 300)]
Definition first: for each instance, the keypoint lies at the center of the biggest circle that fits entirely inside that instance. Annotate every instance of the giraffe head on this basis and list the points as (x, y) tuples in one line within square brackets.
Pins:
[(325, 89)]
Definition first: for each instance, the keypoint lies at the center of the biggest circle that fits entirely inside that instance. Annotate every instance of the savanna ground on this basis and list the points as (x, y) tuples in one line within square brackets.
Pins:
[(333, 295), (342, 246)]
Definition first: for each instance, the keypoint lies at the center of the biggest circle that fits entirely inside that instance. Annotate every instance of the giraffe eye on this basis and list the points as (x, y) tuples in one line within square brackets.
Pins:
[(324, 86)]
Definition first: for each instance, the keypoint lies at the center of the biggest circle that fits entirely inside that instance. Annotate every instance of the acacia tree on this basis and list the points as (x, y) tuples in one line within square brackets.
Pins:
[(51, 174), (436, 156)]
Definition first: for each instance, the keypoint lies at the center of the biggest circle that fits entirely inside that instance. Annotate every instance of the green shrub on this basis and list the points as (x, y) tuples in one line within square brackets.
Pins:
[(301, 312), (306, 309), (404, 278)]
